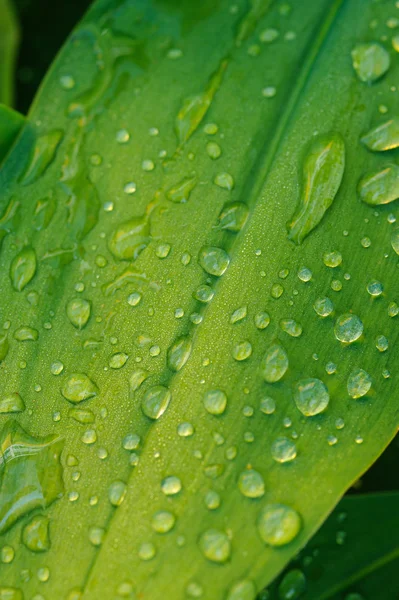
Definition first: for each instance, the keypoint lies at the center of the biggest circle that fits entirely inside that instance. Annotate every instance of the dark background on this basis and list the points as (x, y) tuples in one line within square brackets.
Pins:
[(45, 24)]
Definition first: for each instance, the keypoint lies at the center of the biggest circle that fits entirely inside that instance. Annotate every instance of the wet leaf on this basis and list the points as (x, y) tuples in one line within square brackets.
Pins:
[(217, 386)]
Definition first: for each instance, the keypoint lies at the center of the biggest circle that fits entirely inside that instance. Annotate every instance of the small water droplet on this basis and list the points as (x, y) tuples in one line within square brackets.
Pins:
[(370, 61), (224, 181), (242, 350), (215, 402), (283, 450), (262, 320), (380, 187), (292, 586), (348, 328), (117, 493), (332, 259), (78, 312), (291, 327), (323, 307), (35, 534), (156, 401), (171, 485), (163, 521), (23, 268), (251, 484), (274, 363), (383, 137), (267, 406), (215, 545), (213, 260), (375, 288)]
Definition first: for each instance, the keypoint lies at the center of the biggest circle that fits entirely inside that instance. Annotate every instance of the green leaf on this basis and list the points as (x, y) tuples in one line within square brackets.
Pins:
[(355, 552), (10, 125), (228, 385)]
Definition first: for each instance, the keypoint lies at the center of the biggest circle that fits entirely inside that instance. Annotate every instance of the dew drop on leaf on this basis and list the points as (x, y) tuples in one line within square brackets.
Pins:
[(332, 259), (348, 328), (323, 170), (233, 216), (23, 268), (213, 260), (292, 586), (179, 353), (291, 327), (251, 484), (117, 492), (278, 524), (224, 181), (395, 240), (180, 193), (380, 187), (78, 312), (283, 450), (156, 401), (323, 307), (370, 61), (215, 402), (215, 545), (35, 534), (163, 521), (375, 288), (242, 350), (359, 383), (384, 137), (242, 590), (79, 387), (274, 363), (171, 485), (11, 403), (311, 396)]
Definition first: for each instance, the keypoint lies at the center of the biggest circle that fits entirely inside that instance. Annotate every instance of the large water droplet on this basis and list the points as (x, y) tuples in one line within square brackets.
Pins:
[(348, 328), (292, 586), (78, 312), (213, 260), (130, 238), (180, 193), (156, 401), (311, 396), (323, 307), (23, 268), (274, 363), (242, 590), (179, 353), (215, 402), (171, 485), (242, 350), (26, 334), (291, 327), (380, 187), (283, 450), (359, 383), (384, 137), (163, 521), (35, 534), (233, 216), (215, 545), (12, 403), (251, 484), (370, 61), (278, 524), (323, 170), (79, 387)]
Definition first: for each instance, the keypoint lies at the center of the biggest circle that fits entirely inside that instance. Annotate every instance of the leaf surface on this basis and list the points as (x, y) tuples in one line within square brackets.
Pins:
[(217, 387)]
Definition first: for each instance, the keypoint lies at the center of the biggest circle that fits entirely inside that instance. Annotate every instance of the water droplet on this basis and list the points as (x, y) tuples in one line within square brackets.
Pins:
[(370, 61), (7, 555), (262, 320), (384, 137), (130, 187), (277, 291), (375, 288), (35, 534), (171, 485), (283, 450), (215, 545), (348, 328), (195, 108), (194, 590), (213, 260), (323, 307), (89, 437), (147, 551), (79, 387), (305, 274), (215, 402), (381, 343), (23, 268), (12, 403), (268, 35), (118, 360), (163, 521), (251, 484), (130, 238), (267, 406), (96, 535), (332, 259), (274, 363), (156, 401), (211, 129), (291, 327), (311, 396), (292, 586), (242, 590), (214, 150), (393, 309), (185, 430), (278, 524), (380, 187), (117, 493), (233, 216), (78, 312), (180, 193), (238, 315), (269, 91), (359, 383), (67, 82), (42, 155), (179, 353), (224, 181), (323, 170), (25, 465), (242, 350), (122, 136)]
